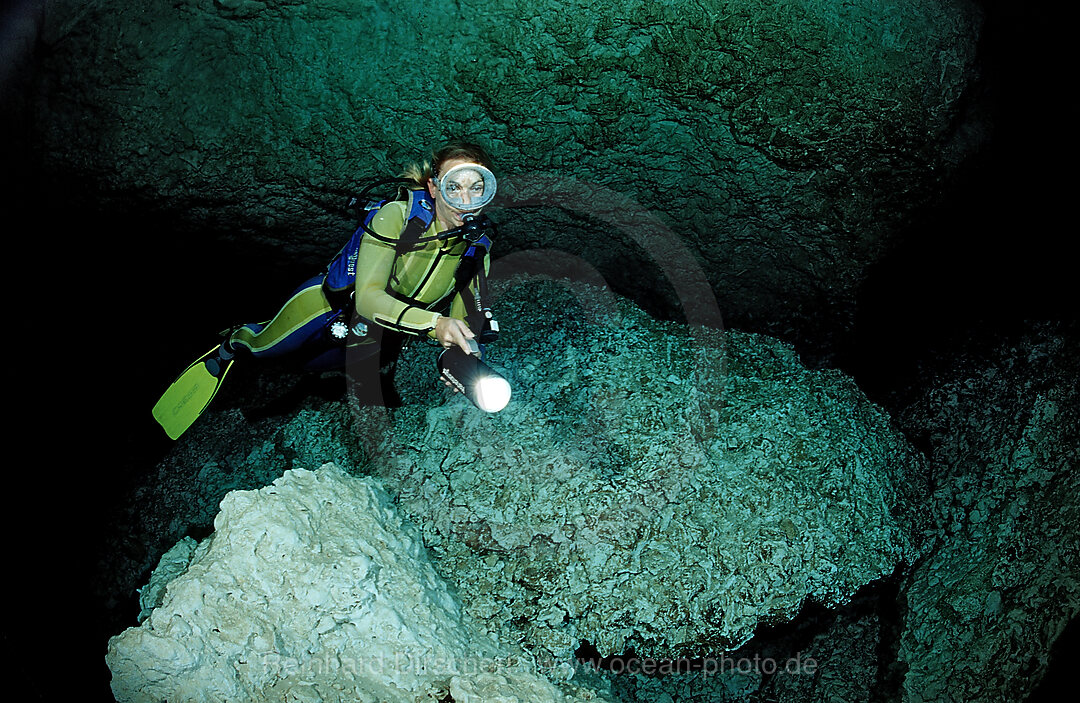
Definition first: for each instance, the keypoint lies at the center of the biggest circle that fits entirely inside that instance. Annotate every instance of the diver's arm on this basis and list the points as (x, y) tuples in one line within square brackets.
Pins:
[(376, 264)]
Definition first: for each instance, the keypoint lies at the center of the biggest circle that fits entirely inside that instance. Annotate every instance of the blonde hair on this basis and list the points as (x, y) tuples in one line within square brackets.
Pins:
[(454, 149)]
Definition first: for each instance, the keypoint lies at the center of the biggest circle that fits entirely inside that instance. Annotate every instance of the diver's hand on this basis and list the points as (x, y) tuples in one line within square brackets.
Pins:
[(450, 331)]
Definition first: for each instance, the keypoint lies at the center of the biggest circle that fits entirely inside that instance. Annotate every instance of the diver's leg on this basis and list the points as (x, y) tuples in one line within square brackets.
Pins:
[(392, 345), (366, 354), (303, 317)]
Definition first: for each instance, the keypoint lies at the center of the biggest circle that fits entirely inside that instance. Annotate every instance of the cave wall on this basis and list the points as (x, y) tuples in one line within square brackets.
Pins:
[(782, 142), (1002, 580)]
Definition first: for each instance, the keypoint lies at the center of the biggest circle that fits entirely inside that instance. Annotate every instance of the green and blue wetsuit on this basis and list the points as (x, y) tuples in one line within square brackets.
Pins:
[(400, 288)]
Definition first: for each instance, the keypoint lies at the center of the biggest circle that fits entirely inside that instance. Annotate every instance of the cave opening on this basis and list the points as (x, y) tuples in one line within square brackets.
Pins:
[(969, 273)]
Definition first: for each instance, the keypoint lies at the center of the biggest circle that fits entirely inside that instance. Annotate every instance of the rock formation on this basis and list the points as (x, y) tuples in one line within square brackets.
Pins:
[(1003, 577), (651, 485), (785, 143), (313, 588)]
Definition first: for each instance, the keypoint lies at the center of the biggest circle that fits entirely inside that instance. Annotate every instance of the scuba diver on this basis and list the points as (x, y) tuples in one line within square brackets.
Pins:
[(416, 267)]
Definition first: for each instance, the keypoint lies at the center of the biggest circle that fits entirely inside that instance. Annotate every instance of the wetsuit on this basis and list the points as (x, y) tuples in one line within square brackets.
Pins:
[(400, 291)]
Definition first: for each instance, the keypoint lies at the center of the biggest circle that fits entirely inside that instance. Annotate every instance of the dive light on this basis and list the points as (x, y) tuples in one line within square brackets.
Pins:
[(484, 388)]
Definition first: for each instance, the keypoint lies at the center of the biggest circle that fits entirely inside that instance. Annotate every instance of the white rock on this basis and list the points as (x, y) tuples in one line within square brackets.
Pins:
[(314, 588)]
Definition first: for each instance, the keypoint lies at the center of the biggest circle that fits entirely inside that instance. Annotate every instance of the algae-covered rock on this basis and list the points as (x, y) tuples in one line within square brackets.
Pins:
[(786, 142), (1003, 579), (651, 485), (314, 588)]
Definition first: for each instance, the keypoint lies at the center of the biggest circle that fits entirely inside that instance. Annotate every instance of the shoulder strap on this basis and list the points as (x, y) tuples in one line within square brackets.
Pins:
[(419, 214)]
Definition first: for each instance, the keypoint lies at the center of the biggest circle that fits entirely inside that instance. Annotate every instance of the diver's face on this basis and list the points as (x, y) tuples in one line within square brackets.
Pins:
[(466, 187)]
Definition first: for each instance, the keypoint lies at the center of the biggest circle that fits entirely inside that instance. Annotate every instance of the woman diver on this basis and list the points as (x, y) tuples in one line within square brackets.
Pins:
[(416, 267)]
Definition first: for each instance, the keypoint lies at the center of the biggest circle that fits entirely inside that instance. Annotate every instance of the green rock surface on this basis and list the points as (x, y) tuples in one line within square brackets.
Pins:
[(651, 485), (1003, 578), (784, 143)]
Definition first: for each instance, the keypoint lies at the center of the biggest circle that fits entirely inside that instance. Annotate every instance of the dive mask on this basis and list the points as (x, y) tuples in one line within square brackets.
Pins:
[(467, 187)]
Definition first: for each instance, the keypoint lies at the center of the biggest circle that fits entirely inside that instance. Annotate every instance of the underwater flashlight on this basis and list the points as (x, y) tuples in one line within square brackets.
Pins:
[(483, 387), (467, 187)]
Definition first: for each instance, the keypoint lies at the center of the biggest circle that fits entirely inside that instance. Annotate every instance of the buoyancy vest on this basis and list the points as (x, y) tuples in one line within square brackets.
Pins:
[(341, 272)]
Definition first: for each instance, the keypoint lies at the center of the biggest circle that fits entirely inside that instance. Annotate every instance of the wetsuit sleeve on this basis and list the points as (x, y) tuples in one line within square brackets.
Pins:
[(373, 276)]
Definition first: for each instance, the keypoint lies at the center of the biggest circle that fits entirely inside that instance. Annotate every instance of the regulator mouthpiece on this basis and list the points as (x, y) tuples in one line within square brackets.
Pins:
[(467, 187)]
